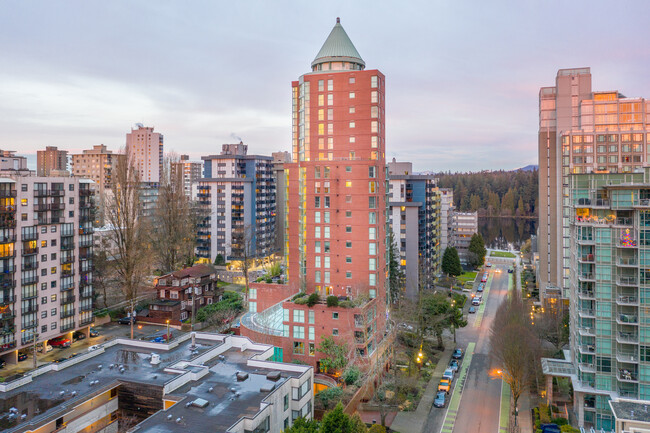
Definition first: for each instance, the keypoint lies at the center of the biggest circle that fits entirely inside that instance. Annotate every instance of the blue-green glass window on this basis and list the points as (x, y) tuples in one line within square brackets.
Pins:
[(644, 373), (603, 235), (603, 346), (644, 391), (644, 334), (603, 309), (603, 328), (603, 382), (603, 290), (603, 254)]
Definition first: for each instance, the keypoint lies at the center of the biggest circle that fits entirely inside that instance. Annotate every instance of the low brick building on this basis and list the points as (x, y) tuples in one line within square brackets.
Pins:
[(175, 292)]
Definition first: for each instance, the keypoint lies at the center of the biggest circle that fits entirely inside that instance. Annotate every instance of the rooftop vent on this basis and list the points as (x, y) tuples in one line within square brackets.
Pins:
[(274, 375), (199, 402), (268, 387), (241, 375)]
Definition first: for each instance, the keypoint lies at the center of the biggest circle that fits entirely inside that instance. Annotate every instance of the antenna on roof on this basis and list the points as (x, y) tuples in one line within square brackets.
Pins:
[(338, 20)]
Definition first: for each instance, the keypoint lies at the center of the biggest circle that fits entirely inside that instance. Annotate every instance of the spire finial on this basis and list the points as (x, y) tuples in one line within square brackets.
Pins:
[(338, 20)]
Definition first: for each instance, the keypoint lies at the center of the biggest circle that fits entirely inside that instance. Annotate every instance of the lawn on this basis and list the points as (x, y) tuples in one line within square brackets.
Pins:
[(502, 254), (466, 276)]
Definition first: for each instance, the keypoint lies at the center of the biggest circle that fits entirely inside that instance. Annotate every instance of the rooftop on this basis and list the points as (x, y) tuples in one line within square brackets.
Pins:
[(338, 48), (184, 373), (631, 410)]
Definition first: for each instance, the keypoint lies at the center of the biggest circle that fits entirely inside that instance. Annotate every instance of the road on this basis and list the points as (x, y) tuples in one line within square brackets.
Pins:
[(475, 402)]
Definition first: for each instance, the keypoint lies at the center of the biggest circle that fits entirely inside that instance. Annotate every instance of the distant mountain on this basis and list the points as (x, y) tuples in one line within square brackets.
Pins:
[(528, 168)]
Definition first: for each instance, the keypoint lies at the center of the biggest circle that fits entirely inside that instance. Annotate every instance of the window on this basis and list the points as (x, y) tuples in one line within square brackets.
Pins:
[(321, 129), (252, 293), (252, 307), (326, 216), (53, 312), (351, 80), (43, 272), (317, 232), (330, 128), (312, 333), (317, 247), (317, 216), (374, 112), (321, 100), (374, 126), (327, 232), (348, 244), (312, 349), (372, 202), (351, 110), (316, 202), (352, 139), (312, 316), (335, 315), (24, 202), (53, 270), (44, 314), (330, 99), (372, 233), (348, 183), (348, 259), (317, 172), (352, 95), (372, 264), (285, 330), (372, 217), (71, 214), (335, 332), (299, 316), (372, 279), (348, 274), (23, 217), (53, 298), (348, 229), (326, 277), (44, 329), (372, 187), (321, 85), (286, 404), (317, 277), (352, 124), (298, 332), (327, 262), (327, 202), (330, 114), (348, 214), (298, 349), (374, 97), (372, 172), (330, 85), (44, 300), (53, 325), (373, 81)]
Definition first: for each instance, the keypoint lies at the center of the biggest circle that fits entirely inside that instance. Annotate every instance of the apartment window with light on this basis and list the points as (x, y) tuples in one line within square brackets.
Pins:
[(348, 183), (321, 100), (321, 129), (321, 114)]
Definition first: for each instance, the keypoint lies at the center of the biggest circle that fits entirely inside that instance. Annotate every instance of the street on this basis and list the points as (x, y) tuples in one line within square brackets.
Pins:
[(475, 401)]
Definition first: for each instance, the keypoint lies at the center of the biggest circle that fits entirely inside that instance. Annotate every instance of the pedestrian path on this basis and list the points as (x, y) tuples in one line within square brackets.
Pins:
[(481, 308), (504, 412), (454, 402)]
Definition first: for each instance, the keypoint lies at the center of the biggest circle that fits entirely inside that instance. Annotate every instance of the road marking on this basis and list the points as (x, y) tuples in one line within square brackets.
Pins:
[(504, 408), (481, 308), (454, 402)]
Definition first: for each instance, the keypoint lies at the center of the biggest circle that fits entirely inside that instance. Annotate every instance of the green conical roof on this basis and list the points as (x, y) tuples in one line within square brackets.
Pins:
[(338, 48)]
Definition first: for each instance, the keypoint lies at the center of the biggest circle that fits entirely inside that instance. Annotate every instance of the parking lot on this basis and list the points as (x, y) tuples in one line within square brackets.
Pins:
[(107, 332)]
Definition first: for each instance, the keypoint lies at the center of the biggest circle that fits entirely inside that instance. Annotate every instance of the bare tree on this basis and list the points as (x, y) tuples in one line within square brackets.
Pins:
[(174, 237), (512, 345), (127, 237), (243, 249), (553, 326)]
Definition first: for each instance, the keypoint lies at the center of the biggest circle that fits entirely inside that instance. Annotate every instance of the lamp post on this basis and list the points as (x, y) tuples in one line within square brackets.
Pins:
[(167, 337)]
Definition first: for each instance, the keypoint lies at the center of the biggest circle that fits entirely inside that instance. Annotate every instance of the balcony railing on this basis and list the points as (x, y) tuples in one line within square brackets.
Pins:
[(67, 299), (626, 281), (588, 258), (627, 337), (627, 375), (586, 312), (67, 259), (84, 294), (85, 308), (7, 193), (627, 300), (68, 313), (627, 318), (586, 276), (30, 236), (586, 293), (6, 300), (29, 280), (587, 348), (626, 261), (30, 324), (7, 239), (587, 368), (623, 356), (86, 321), (30, 309), (67, 327), (28, 266)]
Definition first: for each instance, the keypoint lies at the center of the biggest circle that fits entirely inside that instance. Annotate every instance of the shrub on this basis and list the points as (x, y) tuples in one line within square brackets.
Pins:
[(376, 428), (560, 421), (313, 299), (332, 301), (569, 429), (351, 375), (301, 301), (298, 295), (269, 280), (329, 396), (346, 304)]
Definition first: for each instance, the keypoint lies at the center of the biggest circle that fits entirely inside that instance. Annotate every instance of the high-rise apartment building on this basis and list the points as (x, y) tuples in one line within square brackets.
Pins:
[(414, 216), (146, 148), (580, 131), (279, 159), (335, 217), (446, 207), (51, 161), (237, 195), (188, 172), (46, 226), (463, 226)]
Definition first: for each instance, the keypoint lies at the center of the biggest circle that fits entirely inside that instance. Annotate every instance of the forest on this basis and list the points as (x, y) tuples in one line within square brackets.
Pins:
[(494, 193)]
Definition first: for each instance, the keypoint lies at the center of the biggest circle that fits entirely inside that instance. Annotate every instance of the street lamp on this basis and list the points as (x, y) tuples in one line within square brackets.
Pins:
[(167, 337)]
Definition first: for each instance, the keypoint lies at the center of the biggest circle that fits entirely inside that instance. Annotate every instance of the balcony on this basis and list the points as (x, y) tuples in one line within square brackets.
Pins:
[(7, 223), (586, 294), (7, 193), (586, 258), (85, 294), (7, 239), (626, 245), (625, 375), (630, 357), (29, 236), (57, 192), (8, 315), (86, 321), (586, 313), (85, 192), (586, 276), (30, 324), (587, 348), (67, 299), (29, 309), (627, 319), (7, 330), (586, 331), (86, 308), (8, 254), (85, 243), (67, 259), (627, 281), (6, 300), (627, 300), (67, 327), (627, 337), (29, 280), (30, 251), (68, 313), (626, 261), (587, 368)]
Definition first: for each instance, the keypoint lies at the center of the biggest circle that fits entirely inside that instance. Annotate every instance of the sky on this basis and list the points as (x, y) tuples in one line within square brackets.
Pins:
[(462, 77)]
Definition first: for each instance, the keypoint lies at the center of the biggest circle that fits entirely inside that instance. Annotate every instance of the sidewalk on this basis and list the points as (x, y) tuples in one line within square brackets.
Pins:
[(413, 422), (524, 419)]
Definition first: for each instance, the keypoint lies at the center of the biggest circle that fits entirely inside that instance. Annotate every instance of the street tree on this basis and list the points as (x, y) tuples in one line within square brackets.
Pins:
[(395, 274), (437, 314), (174, 238), (127, 239), (451, 262), (336, 355), (512, 344), (477, 247), (243, 248)]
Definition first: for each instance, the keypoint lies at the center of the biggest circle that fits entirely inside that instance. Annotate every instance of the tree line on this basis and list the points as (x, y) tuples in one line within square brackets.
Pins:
[(494, 193)]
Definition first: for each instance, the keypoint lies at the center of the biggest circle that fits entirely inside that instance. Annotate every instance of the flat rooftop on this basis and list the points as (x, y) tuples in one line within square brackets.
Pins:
[(210, 366), (228, 398), (631, 410)]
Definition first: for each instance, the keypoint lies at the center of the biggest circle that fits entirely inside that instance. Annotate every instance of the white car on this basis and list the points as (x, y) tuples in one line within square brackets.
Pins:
[(476, 301), (47, 348)]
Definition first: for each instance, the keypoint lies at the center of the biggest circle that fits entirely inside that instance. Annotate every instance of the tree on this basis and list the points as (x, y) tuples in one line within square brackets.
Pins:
[(301, 425), (395, 274), (336, 355), (508, 203), (475, 203), (337, 421), (174, 238), (128, 235), (219, 260), (243, 248), (437, 314), (477, 246), (553, 326), (221, 312), (328, 396), (102, 274), (512, 344), (451, 262)]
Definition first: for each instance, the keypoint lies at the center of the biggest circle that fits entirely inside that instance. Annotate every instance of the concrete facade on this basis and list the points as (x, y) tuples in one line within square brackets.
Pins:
[(145, 147), (446, 206), (51, 161), (188, 172), (463, 226)]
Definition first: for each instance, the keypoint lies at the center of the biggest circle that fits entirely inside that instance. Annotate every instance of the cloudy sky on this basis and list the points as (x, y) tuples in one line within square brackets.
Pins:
[(462, 76)]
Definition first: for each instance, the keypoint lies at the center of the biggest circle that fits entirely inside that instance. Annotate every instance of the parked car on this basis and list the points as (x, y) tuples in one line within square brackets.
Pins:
[(94, 333), (444, 385), (484, 278), (440, 400), (472, 310), (510, 270), (488, 265), (448, 374), (22, 356), (458, 353), (95, 347), (60, 342), (43, 349), (2, 363), (476, 300), (453, 365), (480, 288), (78, 335), (126, 320)]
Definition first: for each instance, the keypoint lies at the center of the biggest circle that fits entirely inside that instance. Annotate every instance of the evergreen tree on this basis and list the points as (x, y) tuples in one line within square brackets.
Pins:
[(451, 262), (477, 246), (508, 203), (475, 203), (395, 274)]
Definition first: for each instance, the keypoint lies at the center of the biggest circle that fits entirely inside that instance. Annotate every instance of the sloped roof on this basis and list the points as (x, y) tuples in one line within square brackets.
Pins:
[(200, 270), (338, 47)]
